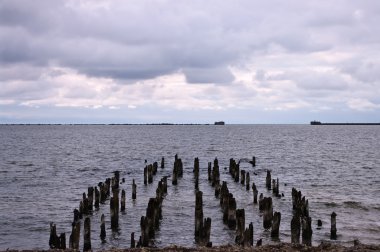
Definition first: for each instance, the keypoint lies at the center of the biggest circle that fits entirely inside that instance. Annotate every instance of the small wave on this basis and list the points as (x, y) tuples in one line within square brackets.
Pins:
[(355, 205), (331, 204), (367, 168), (27, 165)]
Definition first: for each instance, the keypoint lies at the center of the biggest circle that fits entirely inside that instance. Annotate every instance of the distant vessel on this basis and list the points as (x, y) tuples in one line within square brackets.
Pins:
[(219, 123), (315, 123)]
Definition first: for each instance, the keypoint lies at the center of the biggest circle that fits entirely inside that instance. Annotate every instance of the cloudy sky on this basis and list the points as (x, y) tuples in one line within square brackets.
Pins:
[(193, 61)]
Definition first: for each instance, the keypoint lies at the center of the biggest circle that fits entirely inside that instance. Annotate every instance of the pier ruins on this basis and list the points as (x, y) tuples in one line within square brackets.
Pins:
[(109, 192)]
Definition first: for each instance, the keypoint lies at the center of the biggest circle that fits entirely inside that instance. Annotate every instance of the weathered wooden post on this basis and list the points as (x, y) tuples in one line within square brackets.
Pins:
[(295, 229), (333, 226), (247, 181), (240, 219), (75, 235), (133, 243), (102, 228), (90, 196), (206, 232), (155, 168), (268, 212), (209, 171), (255, 192), (114, 214), (237, 172), (261, 202), (276, 224), (162, 166), (231, 212), (242, 177), (268, 180), (62, 239), (175, 175), (133, 189), (122, 206), (306, 230), (150, 174), (146, 175), (196, 172), (97, 198), (87, 235), (53, 240), (198, 214), (253, 161)]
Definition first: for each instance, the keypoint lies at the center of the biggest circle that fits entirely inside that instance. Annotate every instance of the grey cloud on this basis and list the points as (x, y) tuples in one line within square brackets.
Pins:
[(210, 75)]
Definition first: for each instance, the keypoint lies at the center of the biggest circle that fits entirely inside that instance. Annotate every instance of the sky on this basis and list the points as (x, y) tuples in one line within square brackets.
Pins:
[(250, 62)]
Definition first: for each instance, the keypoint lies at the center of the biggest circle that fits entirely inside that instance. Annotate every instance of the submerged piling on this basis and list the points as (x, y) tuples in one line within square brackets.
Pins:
[(255, 192), (268, 180), (247, 181), (122, 206)]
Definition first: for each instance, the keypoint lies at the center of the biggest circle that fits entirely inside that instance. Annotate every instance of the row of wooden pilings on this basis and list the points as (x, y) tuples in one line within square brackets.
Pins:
[(232, 217)]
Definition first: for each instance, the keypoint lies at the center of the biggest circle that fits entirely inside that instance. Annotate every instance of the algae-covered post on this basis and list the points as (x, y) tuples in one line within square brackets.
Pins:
[(276, 224), (333, 226), (87, 235)]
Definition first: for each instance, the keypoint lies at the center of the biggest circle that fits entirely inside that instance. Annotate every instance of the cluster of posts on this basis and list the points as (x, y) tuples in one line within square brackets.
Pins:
[(234, 218)]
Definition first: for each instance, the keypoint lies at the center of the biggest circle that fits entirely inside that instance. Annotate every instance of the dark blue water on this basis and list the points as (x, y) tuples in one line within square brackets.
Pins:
[(45, 169)]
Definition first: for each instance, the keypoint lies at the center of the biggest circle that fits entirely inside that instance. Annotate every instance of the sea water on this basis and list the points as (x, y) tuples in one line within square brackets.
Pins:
[(44, 169)]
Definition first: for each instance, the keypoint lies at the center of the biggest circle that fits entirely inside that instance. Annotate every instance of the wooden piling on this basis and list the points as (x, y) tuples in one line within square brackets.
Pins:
[(333, 226), (102, 228), (295, 229), (87, 235), (75, 235), (268, 180), (307, 231), (133, 243), (198, 214), (242, 177), (54, 241), (247, 181), (240, 219), (134, 187), (162, 164), (122, 206), (155, 168), (232, 212), (114, 214), (209, 171), (90, 196), (267, 212), (196, 172), (146, 175), (97, 198), (255, 192), (150, 174), (276, 224), (62, 241)]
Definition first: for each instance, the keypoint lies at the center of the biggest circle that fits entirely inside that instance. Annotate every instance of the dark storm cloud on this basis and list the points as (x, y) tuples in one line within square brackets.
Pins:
[(125, 40)]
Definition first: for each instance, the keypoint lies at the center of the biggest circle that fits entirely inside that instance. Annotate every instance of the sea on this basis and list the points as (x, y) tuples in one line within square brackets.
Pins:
[(45, 169)]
